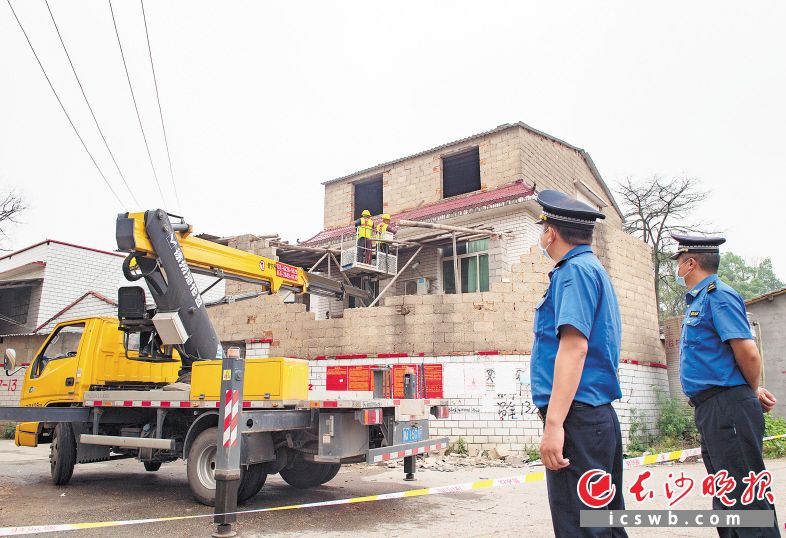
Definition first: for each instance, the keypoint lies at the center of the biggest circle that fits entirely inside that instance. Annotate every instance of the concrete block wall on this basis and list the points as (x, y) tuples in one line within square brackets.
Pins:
[(502, 412), (552, 165), (500, 319), (505, 156)]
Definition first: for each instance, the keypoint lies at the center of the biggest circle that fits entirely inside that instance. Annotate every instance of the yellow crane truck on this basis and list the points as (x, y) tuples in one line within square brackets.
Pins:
[(155, 383)]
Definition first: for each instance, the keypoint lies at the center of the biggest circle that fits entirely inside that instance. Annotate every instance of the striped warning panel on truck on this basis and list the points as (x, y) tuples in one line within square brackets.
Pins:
[(380, 454)]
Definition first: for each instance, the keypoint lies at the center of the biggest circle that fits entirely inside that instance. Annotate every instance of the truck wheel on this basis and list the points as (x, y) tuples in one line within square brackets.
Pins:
[(333, 469), (62, 454), (152, 466), (251, 482), (201, 469), (304, 474)]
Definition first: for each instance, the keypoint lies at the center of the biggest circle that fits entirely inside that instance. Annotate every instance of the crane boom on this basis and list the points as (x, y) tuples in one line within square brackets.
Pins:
[(165, 254)]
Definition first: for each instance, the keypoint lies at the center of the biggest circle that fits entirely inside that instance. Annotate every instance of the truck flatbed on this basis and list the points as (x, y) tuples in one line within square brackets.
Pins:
[(178, 399)]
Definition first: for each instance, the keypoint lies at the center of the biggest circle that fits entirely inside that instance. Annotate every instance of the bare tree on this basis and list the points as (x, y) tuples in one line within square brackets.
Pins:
[(654, 209), (12, 204)]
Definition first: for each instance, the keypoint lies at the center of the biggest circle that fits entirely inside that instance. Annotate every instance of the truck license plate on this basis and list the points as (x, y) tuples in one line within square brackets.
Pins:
[(411, 434)]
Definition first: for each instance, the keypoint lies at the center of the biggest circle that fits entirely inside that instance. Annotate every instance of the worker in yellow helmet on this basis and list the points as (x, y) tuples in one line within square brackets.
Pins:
[(365, 229), (385, 232)]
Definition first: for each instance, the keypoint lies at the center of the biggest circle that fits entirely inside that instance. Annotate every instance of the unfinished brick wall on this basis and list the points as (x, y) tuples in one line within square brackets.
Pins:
[(500, 319), (505, 155)]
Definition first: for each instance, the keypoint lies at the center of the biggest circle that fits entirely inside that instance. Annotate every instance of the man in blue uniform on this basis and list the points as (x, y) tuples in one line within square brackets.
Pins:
[(574, 364), (720, 369)]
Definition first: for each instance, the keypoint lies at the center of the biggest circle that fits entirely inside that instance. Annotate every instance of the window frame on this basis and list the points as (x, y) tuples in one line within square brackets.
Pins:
[(36, 369), (449, 259)]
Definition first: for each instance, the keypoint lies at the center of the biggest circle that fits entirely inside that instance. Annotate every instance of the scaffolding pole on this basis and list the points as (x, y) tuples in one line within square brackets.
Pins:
[(395, 277), (446, 227), (456, 274)]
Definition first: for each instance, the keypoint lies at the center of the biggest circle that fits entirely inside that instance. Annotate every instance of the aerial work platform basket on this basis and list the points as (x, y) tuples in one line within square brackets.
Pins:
[(372, 256)]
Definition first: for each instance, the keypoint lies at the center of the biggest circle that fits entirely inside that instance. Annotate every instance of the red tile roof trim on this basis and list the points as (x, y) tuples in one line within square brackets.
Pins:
[(505, 193)]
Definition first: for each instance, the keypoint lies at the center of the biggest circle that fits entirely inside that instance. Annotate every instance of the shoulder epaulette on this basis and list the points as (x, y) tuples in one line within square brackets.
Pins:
[(712, 287)]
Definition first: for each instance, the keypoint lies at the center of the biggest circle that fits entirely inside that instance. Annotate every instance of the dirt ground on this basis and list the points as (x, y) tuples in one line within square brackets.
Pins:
[(123, 490)]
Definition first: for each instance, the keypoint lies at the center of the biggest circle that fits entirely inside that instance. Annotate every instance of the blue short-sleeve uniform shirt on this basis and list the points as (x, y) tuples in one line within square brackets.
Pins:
[(579, 294), (715, 314)]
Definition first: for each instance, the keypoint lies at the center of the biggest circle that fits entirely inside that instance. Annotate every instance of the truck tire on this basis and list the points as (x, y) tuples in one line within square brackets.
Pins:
[(152, 466), (62, 454), (251, 482), (304, 474), (201, 466), (333, 469)]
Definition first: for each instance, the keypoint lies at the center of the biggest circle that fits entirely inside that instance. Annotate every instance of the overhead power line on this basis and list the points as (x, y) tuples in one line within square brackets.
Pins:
[(76, 131), (160, 112), (87, 102), (133, 98)]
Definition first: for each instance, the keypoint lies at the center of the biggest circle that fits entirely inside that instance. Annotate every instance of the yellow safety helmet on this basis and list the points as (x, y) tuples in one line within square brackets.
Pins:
[(366, 213), (386, 216)]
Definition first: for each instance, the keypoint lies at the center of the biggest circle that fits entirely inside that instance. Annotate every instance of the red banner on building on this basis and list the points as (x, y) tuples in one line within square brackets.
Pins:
[(359, 378), (336, 378), (432, 381), (397, 373)]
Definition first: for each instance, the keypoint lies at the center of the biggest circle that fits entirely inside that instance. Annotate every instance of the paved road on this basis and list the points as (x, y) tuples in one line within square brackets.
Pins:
[(123, 490)]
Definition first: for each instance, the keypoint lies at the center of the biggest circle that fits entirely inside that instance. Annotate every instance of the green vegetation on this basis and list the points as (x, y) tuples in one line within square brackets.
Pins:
[(7, 430), (749, 280), (675, 428), (774, 426), (533, 453), (459, 447)]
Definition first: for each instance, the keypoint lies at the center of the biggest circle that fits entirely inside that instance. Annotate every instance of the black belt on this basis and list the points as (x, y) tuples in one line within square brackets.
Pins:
[(574, 405), (703, 396)]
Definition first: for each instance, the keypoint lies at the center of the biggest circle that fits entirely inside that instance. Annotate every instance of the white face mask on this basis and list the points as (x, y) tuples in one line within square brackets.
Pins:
[(681, 279), (544, 250)]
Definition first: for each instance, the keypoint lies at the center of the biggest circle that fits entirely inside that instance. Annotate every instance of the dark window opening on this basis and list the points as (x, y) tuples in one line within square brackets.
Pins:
[(14, 307), (368, 195), (461, 173)]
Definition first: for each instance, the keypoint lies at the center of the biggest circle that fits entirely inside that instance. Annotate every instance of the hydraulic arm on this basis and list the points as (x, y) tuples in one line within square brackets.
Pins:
[(165, 254)]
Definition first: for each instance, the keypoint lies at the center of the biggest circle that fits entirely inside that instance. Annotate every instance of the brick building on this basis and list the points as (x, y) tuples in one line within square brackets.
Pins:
[(482, 335)]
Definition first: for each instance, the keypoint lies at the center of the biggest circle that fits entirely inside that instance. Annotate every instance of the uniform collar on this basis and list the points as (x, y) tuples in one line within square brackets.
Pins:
[(693, 292), (572, 253)]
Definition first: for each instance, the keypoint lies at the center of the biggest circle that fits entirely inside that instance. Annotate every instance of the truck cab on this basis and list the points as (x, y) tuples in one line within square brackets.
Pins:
[(82, 355)]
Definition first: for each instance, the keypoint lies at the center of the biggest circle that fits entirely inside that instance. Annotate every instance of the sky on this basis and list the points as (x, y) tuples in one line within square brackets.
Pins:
[(264, 101)]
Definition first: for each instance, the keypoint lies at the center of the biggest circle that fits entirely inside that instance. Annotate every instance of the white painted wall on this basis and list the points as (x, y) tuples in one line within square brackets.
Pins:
[(489, 418)]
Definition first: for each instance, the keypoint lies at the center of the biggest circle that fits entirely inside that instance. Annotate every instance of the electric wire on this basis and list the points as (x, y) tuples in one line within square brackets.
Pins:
[(62, 106), (87, 102), (160, 111), (133, 98)]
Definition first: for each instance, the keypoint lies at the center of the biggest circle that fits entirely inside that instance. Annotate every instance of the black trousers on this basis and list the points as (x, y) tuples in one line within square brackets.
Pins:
[(592, 441), (731, 424)]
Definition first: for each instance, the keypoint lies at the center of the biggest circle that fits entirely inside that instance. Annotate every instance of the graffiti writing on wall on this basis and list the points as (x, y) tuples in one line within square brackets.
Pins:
[(10, 385)]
